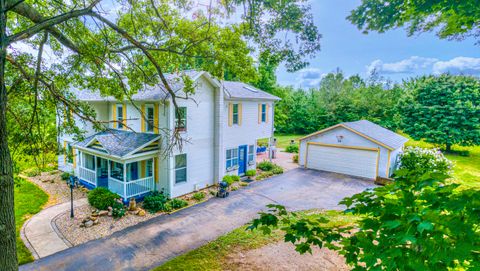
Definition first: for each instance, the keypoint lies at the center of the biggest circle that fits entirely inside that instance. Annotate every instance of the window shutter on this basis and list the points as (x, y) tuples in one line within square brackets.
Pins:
[(259, 113), (114, 115), (65, 151), (230, 114), (142, 118), (155, 118), (240, 114), (267, 113), (124, 121)]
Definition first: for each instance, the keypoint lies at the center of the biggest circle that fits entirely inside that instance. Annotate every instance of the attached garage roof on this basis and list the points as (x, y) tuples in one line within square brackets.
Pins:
[(370, 131)]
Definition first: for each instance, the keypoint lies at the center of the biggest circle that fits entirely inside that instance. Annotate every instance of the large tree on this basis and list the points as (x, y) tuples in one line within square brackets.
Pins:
[(452, 19), (443, 110), (119, 47)]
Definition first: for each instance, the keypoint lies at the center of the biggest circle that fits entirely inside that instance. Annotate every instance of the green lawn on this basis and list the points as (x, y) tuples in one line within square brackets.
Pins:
[(213, 255), (29, 200), (283, 140)]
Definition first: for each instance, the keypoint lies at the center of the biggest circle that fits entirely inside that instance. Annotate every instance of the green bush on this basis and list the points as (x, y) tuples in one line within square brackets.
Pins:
[(101, 198), (265, 165), (277, 169), (177, 203), (243, 184), (293, 148), (230, 179), (251, 172), (155, 202), (198, 196), (118, 209), (32, 172), (421, 161), (65, 176), (295, 158), (264, 175)]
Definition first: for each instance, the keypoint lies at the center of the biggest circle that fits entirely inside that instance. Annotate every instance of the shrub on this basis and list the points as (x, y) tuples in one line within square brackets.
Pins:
[(198, 196), (155, 202), (277, 169), (265, 165), (243, 184), (101, 198), (118, 209), (230, 179), (65, 176), (32, 172), (264, 175), (421, 161), (251, 172), (177, 203), (295, 158), (235, 188), (293, 148)]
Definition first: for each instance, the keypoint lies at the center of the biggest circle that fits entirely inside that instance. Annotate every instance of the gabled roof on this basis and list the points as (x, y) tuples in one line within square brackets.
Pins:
[(240, 90), (370, 131), (117, 142)]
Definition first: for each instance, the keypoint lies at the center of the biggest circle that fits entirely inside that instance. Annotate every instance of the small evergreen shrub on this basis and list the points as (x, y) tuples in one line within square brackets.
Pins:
[(155, 202), (101, 198), (295, 158), (198, 196), (251, 173), (118, 209), (230, 179), (293, 148), (277, 169), (177, 203), (65, 176), (265, 165), (421, 161)]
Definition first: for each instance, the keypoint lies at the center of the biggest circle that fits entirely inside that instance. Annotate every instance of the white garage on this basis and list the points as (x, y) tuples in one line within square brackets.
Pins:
[(360, 148)]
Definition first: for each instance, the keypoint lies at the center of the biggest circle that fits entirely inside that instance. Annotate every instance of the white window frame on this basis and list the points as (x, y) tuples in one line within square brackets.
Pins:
[(264, 113), (181, 168), (251, 155), (149, 168), (119, 109), (235, 114), (150, 123), (233, 159)]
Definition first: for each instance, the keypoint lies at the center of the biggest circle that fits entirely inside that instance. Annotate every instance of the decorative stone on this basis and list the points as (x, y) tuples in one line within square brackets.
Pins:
[(110, 213), (88, 224), (109, 208), (141, 213), (103, 213), (132, 205), (85, 220), (82, 225), (96, 222), (93, 218)]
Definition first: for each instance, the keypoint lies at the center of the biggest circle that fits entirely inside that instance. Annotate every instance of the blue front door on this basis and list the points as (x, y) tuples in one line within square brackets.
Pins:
[(242, 159)]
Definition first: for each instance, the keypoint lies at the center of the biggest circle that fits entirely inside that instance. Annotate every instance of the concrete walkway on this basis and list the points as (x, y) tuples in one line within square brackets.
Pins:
[(153, 242), (39, 234)]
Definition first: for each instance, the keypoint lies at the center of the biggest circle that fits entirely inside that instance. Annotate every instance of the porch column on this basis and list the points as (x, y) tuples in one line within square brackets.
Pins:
[(125, 181), (108, 170)]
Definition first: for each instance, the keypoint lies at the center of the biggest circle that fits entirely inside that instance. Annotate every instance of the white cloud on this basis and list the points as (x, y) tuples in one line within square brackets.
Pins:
[(310, 77), (408, 65), (458, 65)]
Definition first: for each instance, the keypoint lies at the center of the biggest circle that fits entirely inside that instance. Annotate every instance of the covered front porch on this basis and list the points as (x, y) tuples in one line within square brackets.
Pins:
[(124, 162)]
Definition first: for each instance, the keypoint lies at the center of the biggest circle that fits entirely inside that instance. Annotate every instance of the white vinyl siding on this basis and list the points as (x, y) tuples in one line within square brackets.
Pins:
[(362, 163)]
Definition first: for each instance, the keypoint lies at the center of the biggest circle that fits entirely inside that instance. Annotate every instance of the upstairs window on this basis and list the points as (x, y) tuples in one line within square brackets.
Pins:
[(235, 113), (264, 112), (150, 116), (181, 119), (120, 116)]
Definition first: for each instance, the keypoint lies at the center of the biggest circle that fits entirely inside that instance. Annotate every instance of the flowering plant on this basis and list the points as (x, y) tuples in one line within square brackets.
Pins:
[(425, 160)]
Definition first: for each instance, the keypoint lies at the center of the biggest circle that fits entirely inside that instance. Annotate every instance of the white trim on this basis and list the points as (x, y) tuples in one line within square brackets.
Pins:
[(142, 146)]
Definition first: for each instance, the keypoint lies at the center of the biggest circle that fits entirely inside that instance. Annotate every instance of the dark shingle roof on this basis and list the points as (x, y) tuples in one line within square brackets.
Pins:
[(240, 90), (117, 142), (378, 133)]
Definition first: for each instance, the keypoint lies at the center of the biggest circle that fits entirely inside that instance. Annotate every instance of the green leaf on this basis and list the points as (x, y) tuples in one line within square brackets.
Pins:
[(424, 226)]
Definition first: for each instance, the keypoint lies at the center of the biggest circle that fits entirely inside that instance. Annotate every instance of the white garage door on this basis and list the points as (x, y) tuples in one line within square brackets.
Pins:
[(348, 161)]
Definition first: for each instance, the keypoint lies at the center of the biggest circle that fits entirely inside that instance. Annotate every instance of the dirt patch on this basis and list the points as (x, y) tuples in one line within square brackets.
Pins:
[(56, 188), (282, 256)]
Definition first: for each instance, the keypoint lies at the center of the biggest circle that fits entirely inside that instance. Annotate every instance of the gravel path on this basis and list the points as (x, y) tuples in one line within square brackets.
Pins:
[(53, 185)]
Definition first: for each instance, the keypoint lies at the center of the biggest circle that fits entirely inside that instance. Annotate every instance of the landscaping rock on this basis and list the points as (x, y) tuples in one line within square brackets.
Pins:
[(88, 224), (96, 222), (110, 213), (103, 213), (141, 212), (93, 218), (132, 205)]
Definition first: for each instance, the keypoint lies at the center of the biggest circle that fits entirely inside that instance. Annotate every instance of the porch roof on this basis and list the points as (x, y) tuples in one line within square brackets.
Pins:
[(117, 142)]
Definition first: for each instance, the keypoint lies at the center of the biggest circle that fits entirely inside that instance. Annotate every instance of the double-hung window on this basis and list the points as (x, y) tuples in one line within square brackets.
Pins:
[(120, 116), (69, 153), (180, 168), (149, 168), (235, 113), (181, 119), (250, 153), (264, 112), (232, 158), (150, 116)]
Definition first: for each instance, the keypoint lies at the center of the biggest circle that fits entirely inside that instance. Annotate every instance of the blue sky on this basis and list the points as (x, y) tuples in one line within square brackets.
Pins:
[(393, 54)]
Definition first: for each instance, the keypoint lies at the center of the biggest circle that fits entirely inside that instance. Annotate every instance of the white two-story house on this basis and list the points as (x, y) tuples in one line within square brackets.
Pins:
[(219, 125)]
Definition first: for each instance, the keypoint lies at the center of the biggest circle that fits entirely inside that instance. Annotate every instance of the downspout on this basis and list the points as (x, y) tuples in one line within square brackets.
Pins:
[(270, 142)]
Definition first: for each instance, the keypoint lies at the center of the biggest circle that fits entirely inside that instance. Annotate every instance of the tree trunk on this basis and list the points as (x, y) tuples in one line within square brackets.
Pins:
[(8, 253), (448, 147)]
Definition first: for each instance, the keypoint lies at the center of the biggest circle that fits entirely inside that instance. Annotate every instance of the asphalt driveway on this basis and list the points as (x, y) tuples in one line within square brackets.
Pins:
[(153, 242)]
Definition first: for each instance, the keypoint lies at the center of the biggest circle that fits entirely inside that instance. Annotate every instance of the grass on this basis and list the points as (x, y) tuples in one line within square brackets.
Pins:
[(283, 140), (29, 200), (214, 255)]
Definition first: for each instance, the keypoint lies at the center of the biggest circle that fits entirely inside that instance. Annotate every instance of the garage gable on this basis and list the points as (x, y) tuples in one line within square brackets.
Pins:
[(340, 135)]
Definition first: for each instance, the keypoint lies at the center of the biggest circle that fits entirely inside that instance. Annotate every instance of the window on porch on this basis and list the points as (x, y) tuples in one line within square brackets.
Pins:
[(116, 171), (88, 161)]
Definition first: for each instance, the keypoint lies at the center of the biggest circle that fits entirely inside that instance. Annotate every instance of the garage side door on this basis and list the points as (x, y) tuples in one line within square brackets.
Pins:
[(354, 162)]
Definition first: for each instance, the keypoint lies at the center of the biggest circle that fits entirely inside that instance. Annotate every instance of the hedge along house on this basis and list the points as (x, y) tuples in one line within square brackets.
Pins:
[(219, 125), (360, 148)]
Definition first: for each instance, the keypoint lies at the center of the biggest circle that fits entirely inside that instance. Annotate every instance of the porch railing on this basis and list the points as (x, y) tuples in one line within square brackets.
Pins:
[(88, 175), (140, 186), (116, 186)]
